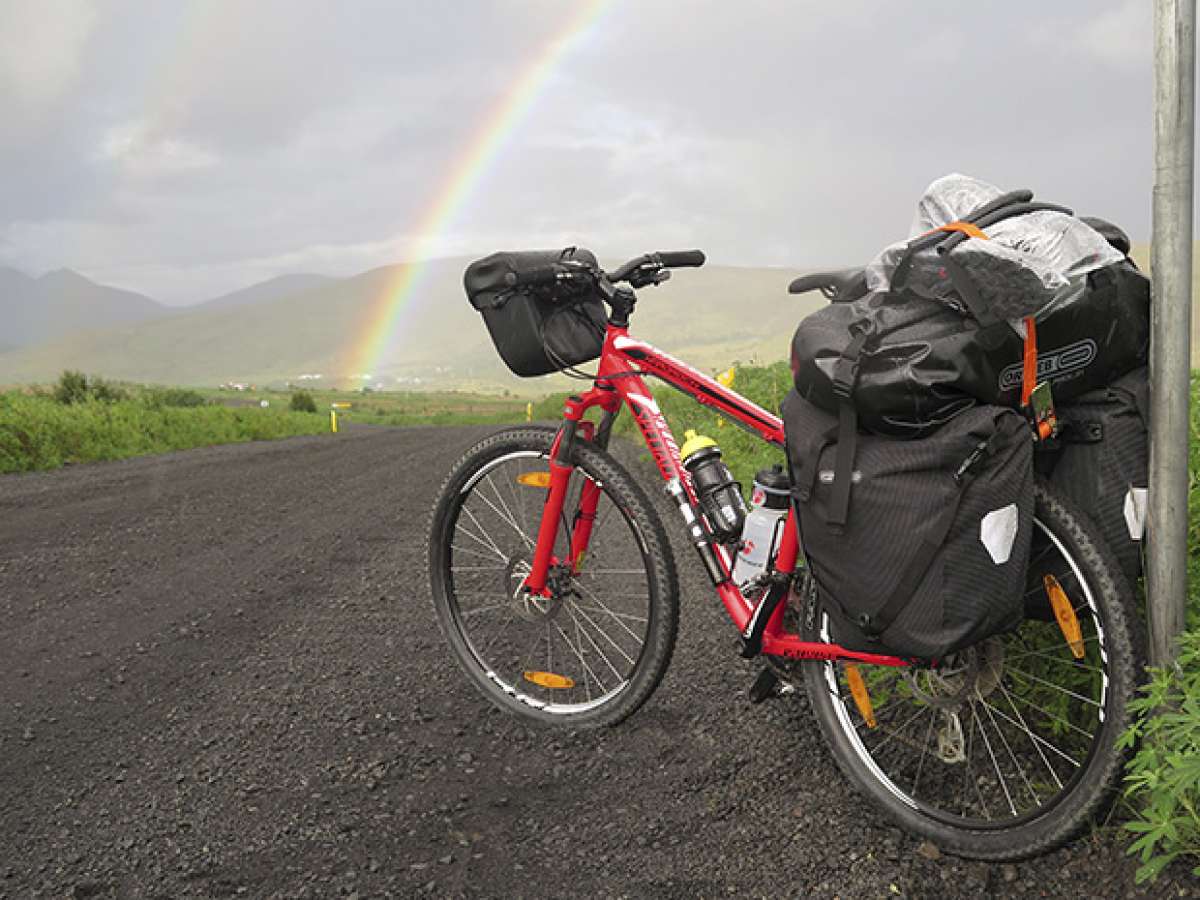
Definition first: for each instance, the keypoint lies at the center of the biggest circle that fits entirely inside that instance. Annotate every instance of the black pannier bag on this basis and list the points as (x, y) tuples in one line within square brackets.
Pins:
[(932, 553), (1101, 462), (537, 330), (923, 362)]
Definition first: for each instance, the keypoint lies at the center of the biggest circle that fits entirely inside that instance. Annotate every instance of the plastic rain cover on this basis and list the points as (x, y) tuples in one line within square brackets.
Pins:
[(1029, 265)]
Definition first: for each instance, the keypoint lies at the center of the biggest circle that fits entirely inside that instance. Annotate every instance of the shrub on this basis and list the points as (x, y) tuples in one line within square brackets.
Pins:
[(181, 397), (302, 401), (1163, 778), (72, 387), (106, 391), (75, 387)]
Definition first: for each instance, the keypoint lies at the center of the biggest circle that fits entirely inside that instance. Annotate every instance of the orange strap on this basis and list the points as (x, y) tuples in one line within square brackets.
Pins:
[(1045, 429), (1029, 373), (965, 227)]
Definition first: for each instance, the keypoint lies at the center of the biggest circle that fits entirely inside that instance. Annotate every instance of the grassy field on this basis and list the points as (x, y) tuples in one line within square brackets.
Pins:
[(105, 421), (393, 407)]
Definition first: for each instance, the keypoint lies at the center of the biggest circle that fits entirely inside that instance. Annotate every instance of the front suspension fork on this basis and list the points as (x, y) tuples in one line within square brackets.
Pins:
[(561, 468)]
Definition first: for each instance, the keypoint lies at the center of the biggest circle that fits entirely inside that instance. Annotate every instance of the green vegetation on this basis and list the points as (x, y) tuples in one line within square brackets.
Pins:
[(302, 401), (85, 420), (75, 387), (1164, 776)]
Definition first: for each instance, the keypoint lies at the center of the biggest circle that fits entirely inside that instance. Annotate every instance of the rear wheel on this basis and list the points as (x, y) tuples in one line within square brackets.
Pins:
[(1006, 749), (593, 651)]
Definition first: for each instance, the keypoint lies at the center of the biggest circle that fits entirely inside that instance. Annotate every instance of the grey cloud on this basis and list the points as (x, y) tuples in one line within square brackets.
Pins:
[(184, 149)]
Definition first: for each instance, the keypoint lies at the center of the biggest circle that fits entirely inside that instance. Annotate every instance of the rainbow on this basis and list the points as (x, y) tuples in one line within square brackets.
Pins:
[(385, 315)]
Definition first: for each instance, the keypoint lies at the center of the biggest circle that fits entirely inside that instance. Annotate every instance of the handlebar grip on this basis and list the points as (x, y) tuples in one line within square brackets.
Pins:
[(542, 275), (680, 259)]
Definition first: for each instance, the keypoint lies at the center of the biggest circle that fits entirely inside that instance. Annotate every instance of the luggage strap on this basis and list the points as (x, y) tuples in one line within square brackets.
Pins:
[(875, 624), (845, 377)]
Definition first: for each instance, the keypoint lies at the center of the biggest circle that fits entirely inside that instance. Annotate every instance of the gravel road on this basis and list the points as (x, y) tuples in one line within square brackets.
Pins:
[(221, 677)]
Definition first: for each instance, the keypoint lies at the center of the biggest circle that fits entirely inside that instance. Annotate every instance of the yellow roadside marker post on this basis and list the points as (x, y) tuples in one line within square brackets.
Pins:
[(333, 408), (528, 412)]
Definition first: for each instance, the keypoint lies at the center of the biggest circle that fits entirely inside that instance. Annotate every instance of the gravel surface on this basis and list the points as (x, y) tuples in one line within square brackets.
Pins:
[(222, 677)]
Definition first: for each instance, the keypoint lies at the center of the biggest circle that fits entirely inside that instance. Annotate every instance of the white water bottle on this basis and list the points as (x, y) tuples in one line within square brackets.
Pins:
[(763, 531)]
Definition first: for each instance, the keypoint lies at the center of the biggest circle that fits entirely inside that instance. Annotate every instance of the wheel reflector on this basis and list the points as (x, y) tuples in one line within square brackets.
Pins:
[(534, 479), (1065, 613), (550, 680), (858, 690)]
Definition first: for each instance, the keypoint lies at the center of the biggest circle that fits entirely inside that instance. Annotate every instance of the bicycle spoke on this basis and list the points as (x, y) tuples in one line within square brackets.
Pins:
[(1050, 684), (1029, 734), (587, 670), (1049, 715), (995, 764), (485, 541), (604, 634), (1016, 763), (505, 516), (1037, 737), (924, 753), (595, 646), (629, 616), (1074, 663), (609, 612)]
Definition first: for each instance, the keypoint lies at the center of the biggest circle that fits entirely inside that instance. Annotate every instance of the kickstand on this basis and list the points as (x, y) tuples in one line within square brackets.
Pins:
[(765, 686)]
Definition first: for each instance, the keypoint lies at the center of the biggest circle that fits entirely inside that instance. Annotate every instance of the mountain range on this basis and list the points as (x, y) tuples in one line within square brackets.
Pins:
[(304, 324), (308, 324)]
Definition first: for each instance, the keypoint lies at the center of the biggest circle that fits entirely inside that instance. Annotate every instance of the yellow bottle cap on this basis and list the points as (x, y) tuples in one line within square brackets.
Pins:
[(693, 442)]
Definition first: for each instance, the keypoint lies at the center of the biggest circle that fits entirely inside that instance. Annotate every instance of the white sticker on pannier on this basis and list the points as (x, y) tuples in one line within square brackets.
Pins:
[(1135, 512), (998, 532)]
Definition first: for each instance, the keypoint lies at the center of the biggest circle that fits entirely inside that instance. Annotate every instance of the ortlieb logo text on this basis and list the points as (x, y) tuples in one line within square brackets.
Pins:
[(1054, 364)]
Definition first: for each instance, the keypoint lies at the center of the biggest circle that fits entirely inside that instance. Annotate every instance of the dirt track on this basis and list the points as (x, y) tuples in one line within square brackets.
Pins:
[(221, 676)]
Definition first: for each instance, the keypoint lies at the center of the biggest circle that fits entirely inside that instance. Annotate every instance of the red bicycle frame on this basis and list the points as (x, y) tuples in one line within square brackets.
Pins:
[(623, 361)]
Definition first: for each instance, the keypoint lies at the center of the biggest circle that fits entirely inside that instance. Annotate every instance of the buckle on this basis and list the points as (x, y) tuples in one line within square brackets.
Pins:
[(845, 377)]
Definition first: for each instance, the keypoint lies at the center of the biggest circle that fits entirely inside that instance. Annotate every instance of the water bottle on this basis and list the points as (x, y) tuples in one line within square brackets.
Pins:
[(719, 495), (769, 501)]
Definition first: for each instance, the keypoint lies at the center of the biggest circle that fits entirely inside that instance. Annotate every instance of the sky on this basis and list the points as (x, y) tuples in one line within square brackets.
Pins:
[(188, 149)]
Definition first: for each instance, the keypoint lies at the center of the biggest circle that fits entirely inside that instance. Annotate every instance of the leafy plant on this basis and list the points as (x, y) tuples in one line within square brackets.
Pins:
[(302, 401), (180, 397), (1163, 778), (72, 387)]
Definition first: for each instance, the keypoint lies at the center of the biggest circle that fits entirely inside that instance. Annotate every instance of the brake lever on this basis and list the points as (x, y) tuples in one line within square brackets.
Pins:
[(648, 274)]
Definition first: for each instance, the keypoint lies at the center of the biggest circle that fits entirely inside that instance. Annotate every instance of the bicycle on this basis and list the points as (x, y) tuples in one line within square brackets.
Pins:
[(554, 583)]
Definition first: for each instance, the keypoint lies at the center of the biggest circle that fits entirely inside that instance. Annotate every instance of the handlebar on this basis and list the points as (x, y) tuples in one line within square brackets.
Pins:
[(640, 270), (681, 259)]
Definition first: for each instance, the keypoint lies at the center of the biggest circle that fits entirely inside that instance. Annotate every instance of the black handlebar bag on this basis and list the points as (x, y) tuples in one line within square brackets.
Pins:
[(920, 547), (538, 330)]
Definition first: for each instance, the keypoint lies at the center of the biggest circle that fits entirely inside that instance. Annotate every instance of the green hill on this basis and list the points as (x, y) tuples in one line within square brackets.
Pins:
[(709, 316)]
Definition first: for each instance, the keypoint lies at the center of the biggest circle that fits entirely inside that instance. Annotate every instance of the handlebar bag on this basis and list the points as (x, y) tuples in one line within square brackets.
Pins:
[(541, 329), (1101, 462), (929, 553), (925, 362)]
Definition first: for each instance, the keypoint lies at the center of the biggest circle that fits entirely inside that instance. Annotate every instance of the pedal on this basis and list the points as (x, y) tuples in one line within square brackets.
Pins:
[(765, 686)]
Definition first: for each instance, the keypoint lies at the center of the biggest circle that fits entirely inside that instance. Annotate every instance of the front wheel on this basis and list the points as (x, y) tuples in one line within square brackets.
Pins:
[(1006, 749), (593, 651)]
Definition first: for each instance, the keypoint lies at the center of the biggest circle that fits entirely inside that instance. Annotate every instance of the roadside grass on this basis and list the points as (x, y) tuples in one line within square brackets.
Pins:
[(87, 419), (37, 432)]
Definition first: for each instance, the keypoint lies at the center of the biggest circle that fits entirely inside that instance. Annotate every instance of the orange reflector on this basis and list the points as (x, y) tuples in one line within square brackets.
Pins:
[(550, 680), (858, 690), (535, 479), (1063, 611)]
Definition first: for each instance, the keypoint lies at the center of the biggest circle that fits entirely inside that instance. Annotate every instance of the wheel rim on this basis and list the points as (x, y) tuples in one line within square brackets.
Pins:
[(1008, 728), (592, 630)]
